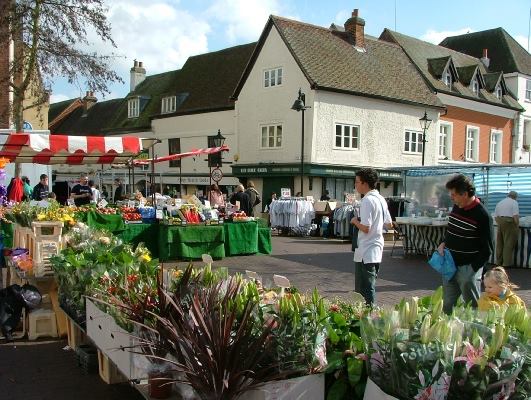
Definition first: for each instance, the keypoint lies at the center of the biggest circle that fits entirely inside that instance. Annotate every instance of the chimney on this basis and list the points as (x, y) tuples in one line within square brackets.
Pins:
[(355, 27), (138, 74), (485, 59), (88, 101)]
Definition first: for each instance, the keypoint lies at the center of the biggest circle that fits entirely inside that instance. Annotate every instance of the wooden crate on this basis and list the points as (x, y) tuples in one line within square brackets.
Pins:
[(108, 371)]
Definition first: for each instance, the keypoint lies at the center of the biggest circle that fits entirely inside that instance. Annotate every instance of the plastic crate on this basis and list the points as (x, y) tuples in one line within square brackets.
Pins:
[(87, 359)]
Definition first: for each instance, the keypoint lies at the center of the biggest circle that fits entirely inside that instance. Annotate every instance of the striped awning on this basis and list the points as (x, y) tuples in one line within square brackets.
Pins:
[(71, 150), (192, 153)]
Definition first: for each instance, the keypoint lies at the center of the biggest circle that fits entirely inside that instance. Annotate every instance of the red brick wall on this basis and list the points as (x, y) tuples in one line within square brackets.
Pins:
[(485, 122)]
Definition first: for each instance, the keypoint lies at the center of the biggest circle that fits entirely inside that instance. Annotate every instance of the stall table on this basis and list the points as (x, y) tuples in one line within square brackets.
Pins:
[(424, 239), (142, 233)]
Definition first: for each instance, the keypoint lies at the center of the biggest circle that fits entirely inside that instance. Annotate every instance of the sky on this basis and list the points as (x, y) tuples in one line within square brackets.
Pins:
[(164, 33)]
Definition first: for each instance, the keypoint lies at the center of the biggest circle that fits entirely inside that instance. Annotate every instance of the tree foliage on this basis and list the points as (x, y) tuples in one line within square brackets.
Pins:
[(50, 40)]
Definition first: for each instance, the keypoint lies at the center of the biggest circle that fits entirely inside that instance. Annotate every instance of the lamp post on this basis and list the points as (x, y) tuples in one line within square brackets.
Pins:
[(424, 125), (218, 140), (300, 105)]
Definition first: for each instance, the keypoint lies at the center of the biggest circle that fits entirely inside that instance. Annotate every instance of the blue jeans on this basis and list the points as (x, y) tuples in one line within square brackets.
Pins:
[(467, 283), (365, 280)]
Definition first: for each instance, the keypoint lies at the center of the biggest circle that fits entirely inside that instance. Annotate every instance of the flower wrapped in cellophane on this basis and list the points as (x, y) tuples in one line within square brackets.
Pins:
[(422, 355)]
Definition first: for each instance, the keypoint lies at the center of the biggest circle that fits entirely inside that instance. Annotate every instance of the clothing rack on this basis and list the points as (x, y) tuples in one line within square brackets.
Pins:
[(295, 213)]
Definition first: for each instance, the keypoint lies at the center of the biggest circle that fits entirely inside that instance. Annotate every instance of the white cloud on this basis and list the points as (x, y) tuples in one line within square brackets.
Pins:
[(437, 37), (243, 20), (342, 16), (56, 98), (522, 40)]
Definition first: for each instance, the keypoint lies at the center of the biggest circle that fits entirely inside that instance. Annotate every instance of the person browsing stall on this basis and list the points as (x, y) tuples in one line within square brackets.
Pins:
[(41, 189), (81, 193), (506, 215), (243, 198), (469, 240), (215, 197), (373, 218)]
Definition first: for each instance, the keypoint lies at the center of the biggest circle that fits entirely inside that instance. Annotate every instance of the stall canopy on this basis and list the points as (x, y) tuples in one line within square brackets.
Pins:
[(193, 153), (492, 181), (70, 150)]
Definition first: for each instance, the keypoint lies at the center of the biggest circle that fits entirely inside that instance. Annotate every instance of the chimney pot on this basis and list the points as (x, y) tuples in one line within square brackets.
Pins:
[(135, 64), (87, 93), (485, 59), (485, 51), (140, 64), (355, 26)]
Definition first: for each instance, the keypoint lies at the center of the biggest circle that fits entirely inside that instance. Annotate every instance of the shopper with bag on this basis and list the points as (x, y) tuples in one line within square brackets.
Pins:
[(254, 197)]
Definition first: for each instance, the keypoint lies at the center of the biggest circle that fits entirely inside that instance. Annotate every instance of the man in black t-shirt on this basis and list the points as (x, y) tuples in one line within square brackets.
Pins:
[(81, 193), (119, 192), (40, 191)]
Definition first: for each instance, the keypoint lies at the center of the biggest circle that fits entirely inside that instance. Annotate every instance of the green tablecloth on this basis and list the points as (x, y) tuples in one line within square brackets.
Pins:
[(241, 238), (190, 242), (111, 222), (142, 233), (264, 240)]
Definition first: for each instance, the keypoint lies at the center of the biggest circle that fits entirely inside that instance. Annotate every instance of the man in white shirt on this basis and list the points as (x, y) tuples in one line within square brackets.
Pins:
[(506, 216), (374, 216)]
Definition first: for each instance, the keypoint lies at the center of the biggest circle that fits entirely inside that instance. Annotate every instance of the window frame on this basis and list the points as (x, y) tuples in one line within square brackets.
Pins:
[(475, 143), (275, 136), (498, 143), (174, 163), (278, 77), (132, 111), (449, 139), (343, 125), (418, 142), (474, 85), (527, 95), (168, 104), (447, 77)]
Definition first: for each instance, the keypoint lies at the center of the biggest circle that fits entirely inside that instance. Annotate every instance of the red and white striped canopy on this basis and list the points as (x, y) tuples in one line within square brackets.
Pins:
[(195, 152), (71, 150)]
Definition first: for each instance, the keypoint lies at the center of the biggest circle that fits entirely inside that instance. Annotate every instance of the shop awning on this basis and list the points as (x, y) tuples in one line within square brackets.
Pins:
[(192, 153), (71, 150)]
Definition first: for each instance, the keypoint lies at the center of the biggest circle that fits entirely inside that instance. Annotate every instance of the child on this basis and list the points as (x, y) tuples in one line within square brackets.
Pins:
[(498, 290)]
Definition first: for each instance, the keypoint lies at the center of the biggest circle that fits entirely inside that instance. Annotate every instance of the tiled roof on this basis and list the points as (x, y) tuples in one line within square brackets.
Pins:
[(420, 52), (330, 62), (56, 109), (466, 73), (95, 121), (505, 53), (491, 80)]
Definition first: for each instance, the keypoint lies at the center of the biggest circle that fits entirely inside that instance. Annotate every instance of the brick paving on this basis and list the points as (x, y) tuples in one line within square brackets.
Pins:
[(43, 371)]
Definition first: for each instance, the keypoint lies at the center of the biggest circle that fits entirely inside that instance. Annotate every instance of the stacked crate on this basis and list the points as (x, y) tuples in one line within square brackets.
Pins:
[(44, 242)]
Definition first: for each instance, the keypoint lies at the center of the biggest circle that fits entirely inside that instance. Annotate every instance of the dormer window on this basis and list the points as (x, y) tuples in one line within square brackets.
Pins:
[(169, 104), (133, 108), (474, 85), (498, 91), (447, 77)]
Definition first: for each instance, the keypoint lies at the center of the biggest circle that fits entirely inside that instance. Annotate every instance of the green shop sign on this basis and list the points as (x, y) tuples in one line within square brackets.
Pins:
[(309, 169)]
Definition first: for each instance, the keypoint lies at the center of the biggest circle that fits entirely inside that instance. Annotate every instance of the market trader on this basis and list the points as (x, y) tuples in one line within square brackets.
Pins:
[(41, 189), (82, 193), (469, 240), (374, 216), (506, 216)]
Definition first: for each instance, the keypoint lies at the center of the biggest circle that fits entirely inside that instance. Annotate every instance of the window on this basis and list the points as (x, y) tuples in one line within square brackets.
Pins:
[(271, 136), (413, 142), (133, 108), (214, 160), (472, 143), (447, 77), (273, 77), (444, 141), (498, 91), (475, 86), (347, 136), (528, 89), (174, 147), (337, 187), (496, 139), (169, 104)]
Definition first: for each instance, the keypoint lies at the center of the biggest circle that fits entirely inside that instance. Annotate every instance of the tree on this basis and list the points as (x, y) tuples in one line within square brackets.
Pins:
[(48, 39)]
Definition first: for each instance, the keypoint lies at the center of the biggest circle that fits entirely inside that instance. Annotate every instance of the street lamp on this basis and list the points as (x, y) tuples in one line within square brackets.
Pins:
[(300, 105), (219, 139), (424, 125)]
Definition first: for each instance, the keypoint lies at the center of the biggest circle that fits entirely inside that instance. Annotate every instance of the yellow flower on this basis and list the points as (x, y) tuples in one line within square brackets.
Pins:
[(145, 257), (41, 217)]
